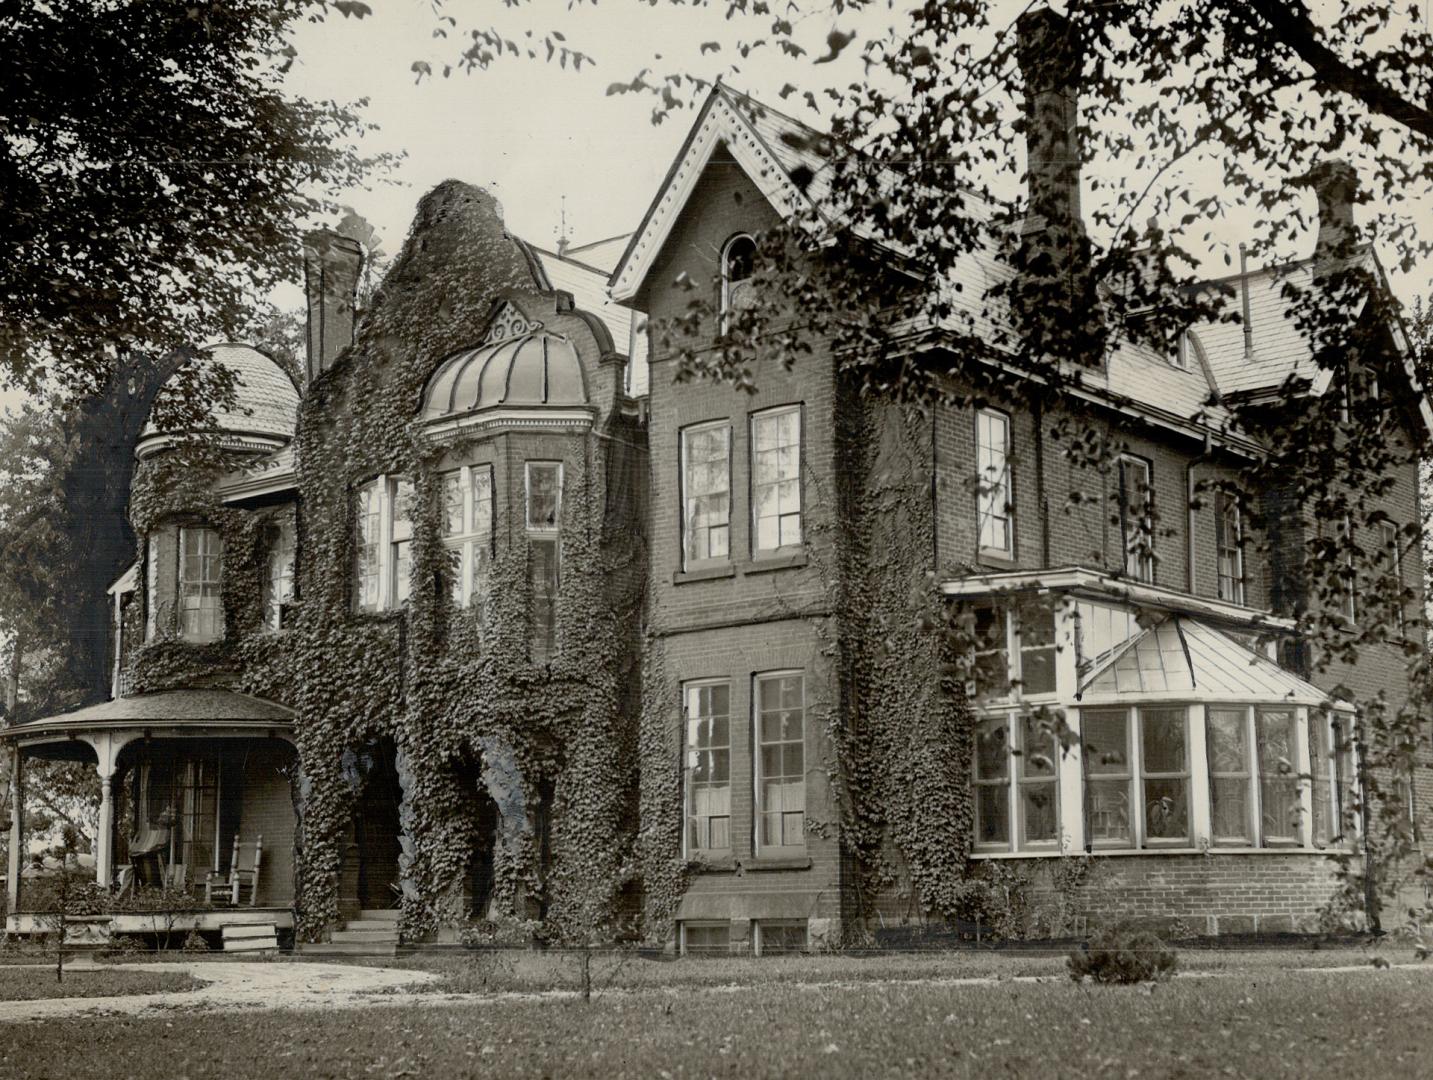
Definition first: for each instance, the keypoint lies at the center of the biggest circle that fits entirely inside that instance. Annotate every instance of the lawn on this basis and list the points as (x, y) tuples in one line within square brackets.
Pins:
[(527, 970), (28, 984), (1373, 1023)]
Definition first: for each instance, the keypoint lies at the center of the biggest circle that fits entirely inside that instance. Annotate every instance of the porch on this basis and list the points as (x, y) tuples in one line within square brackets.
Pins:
[(194, 785)]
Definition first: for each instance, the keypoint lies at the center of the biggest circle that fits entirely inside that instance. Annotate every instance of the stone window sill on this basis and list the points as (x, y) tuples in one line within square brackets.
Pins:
[(712, 864), (704, 573), (778, 862), (766, 563)]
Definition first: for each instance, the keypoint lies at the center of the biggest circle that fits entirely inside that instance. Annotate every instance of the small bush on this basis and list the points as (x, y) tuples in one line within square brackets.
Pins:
[(1124, 957), (194, 942), (124, 947)]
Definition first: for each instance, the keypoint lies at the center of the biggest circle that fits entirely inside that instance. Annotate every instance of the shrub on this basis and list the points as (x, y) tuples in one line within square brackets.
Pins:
[(194, 942), (1123, 956), (123, 947)]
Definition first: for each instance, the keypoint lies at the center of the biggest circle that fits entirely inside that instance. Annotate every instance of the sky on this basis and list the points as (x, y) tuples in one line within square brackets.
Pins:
[(550, 143)]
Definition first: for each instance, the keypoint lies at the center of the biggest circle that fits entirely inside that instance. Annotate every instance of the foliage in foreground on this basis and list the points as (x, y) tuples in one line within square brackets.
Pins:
[(21, 984), (1124, 957), (1275, 1025)]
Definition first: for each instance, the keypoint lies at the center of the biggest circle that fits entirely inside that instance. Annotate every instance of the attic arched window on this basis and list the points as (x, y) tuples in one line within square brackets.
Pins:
[(738, 260)]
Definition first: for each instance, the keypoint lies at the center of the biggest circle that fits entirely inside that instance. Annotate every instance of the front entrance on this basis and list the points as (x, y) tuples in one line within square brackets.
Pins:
[(376, 827)]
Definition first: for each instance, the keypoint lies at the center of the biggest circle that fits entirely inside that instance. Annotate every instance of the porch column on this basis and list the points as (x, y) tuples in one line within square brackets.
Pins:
[(107, 745), (17, 830), (104, 833)]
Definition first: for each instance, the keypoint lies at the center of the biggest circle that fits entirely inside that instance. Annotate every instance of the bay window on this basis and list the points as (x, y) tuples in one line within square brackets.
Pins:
[(1136, 764), (1017, 782), (776, 479), (468, 532), (706, 493), (781, 761), (382, 544), (708, 767)]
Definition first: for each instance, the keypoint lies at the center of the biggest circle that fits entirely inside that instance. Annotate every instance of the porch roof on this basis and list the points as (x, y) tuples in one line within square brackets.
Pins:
[(1182, 659), (196, 709)]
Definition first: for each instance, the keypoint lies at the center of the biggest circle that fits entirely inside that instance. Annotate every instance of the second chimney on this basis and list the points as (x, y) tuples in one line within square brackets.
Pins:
[(331, 268), (1050, 60)]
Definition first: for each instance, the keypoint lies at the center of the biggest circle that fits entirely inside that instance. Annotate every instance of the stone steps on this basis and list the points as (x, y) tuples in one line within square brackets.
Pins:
[(348, 948), (250, 937)]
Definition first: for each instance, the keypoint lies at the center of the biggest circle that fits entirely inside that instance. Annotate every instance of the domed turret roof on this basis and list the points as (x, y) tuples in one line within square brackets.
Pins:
[(265, 410), (520, 365)]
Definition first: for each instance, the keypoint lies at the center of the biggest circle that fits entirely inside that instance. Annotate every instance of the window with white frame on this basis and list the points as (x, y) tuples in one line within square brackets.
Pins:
[(707, 708), (1334, 779), (776, 479), (382, 543), (1253, 776), (706, 493), (1017, 782), (1136, 764), (775, 937), (781, 761), (1014, 650), (201, 569), (1348, 573), (994, 505), (1229, 547), (279, 572), (705, 938), (1136, 495), (468, 532), (738, 264)]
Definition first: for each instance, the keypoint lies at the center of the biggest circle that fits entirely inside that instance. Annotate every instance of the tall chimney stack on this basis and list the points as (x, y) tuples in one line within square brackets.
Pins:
[(1054, 294), (1335, 183), (1050, 58), (331, 267)]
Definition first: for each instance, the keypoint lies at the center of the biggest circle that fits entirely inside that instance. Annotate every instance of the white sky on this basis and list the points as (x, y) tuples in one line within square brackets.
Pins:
[(533, 133)]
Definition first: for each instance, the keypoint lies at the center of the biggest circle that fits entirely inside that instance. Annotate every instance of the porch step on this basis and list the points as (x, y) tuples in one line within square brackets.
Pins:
[(250, 937), (385, 926), (348, 948), (373, 914), (386, 936)]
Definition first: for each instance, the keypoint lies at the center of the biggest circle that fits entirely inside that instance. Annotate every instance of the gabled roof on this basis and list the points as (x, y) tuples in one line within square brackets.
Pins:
[(754, 137), (773, 149)]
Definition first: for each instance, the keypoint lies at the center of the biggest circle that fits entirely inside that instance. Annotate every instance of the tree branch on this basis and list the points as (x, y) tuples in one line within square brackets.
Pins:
[(1291, 26)]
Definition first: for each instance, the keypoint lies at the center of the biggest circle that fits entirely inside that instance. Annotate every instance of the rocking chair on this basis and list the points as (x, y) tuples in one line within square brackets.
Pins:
[(242, 879)]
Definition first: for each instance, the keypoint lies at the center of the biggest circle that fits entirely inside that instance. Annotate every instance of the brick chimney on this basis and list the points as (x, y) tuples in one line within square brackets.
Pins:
[(1335, 183), (331, 267), (1055, 297)]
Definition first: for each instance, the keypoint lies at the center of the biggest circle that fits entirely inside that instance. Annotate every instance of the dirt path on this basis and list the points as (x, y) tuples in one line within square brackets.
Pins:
[(231, 986)]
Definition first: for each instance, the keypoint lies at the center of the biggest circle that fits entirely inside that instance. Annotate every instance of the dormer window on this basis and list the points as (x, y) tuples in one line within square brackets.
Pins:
[(382, 544), (738, 262)]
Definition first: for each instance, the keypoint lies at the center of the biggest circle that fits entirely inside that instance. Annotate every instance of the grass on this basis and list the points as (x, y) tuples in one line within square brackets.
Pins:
[(1270, 1024), (30, 984), (525, 970)]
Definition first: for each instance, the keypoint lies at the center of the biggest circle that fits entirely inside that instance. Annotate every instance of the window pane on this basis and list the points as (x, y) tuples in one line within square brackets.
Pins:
[(781, 787), (706, 484), (708, 740), (1109, 810), (1229, 770), (1162, 733), (544, 494), (1230, 811), (1038, 809), (402, 510), (1166, 809), (543, 566), (367, 526), (706, 940), (776, 478), (992, 749), (993, 480), (201, 559), (279, 574), (1274, 732), (1039, 749), (992, 814), (1106, 741), (453, 503)]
